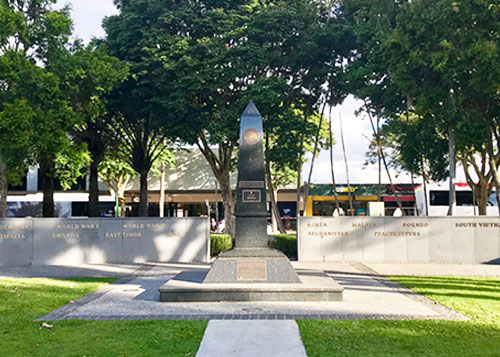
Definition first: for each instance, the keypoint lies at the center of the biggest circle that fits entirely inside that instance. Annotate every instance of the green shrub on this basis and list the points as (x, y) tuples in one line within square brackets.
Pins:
[(287, 243), (220, 243)]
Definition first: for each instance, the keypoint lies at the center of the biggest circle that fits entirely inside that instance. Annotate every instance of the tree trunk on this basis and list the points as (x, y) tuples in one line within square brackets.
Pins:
[(379, 159), (493, 161), (221, 167), (275, 213), (414, 196), (299, 178), (346, 166), (482, 196), (452, 195), (229, 205), (143, 195), (315, 151), (424, 177), (46, 172), (483, 188), (337, 204), (496, 180), (3, 188), (94, 188), (162, 190), (382, 155)]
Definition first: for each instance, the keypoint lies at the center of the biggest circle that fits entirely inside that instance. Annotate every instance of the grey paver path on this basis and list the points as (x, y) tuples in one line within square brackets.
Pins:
[(366, 296), (252, 338)]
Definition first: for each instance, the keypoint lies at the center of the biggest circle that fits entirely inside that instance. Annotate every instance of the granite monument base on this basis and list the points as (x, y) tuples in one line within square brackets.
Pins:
[(251, 274), (251, 265), (190, 287)]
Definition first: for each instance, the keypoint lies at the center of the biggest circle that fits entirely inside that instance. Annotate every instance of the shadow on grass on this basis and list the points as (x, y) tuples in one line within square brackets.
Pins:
[(476, 297), (398, 338), (463, 287), (23, 300)]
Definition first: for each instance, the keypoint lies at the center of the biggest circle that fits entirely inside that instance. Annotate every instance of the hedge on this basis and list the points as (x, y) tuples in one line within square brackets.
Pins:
[(287, 243), (220, 243)]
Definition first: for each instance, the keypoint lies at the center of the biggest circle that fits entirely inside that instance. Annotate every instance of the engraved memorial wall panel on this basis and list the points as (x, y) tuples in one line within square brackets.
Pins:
[(373, 246), (58, 242), (440, 240), (309, 240), (395, 240), (332, 237), (401, 239), (110, 236), (352, 243), (418, 241), (487, 240), (16, 242), (462, 233)]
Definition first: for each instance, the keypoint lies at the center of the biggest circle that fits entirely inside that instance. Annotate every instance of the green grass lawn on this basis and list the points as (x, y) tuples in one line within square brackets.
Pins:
[(478, 298), (23, 300)]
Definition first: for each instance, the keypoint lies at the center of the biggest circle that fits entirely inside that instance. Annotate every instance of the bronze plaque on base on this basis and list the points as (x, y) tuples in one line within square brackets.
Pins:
[(251, 270)]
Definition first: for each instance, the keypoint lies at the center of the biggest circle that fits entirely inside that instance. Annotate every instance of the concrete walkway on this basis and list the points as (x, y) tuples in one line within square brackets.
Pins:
[(252, 338)]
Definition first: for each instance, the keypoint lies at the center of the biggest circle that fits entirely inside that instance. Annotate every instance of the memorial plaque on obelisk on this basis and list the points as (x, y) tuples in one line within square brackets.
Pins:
[(251, 260)]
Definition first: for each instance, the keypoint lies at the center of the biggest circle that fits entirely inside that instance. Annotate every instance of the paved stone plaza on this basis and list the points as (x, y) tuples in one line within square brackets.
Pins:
[(136, 296)]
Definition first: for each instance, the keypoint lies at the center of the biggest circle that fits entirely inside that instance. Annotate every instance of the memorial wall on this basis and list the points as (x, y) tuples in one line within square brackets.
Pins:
[(55, 241), (463, 240)]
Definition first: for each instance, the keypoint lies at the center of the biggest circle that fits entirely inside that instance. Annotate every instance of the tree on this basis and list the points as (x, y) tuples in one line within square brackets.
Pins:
[(199, 59), (368, 24), (88, 74), (50, 119), (116, 174), (15, 136), (140, 122), (15, 114), (34, 39), (139, 142), (445, 57), (166, 159)]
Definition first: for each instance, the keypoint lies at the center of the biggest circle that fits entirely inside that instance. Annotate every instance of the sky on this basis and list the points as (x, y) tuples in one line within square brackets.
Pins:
[(87, 16)]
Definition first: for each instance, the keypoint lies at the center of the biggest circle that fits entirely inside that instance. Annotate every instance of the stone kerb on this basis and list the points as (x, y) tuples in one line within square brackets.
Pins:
[(464, 240), (55, 241)]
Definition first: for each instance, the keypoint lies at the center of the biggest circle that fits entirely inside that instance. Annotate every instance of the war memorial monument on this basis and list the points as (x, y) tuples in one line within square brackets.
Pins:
[(251, 271)]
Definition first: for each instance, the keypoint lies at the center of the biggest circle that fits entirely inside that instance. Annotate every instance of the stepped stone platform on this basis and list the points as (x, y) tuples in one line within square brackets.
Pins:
[(313, 285), (251, 274)]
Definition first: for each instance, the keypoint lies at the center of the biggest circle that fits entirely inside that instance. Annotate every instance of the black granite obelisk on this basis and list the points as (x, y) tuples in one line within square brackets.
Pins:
[(251, 271), (251, 210), (251, 260)]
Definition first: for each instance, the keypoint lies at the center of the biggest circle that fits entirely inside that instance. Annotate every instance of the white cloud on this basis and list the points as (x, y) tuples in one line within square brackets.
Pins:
[(87, 16)]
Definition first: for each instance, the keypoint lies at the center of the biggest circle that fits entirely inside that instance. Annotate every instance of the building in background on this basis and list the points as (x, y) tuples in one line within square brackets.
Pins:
[(322, 200), (191, 185)]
